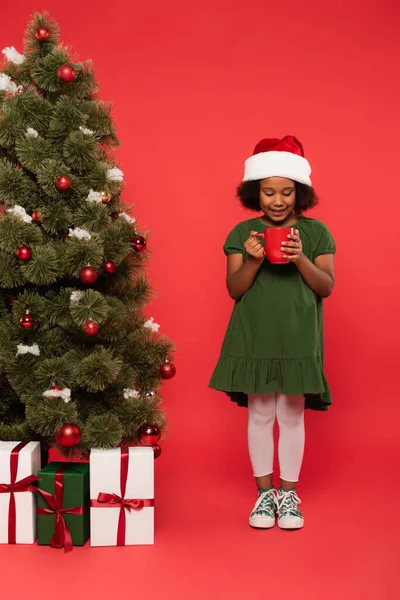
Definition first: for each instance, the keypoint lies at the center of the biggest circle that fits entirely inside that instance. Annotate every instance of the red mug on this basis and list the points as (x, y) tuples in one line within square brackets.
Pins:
[(273, 238)]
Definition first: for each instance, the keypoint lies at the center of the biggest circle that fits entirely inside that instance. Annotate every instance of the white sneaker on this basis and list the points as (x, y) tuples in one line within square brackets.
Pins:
[(289, 516), (264, 511)]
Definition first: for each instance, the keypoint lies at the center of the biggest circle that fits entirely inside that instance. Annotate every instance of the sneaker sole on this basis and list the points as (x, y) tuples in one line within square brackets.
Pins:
[(291, 524), (261, 522)]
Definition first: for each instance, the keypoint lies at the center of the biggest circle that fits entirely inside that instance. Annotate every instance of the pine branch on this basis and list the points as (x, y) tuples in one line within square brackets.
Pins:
[(32, 47), (46, 415), (98, 370), (102, 431)]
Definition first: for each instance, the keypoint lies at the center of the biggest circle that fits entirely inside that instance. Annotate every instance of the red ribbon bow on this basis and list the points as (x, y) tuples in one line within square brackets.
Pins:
[(61, 536), (112, 500), (24, 485)]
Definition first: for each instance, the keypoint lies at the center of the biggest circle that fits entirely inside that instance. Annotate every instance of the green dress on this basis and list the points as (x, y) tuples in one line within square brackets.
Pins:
[(274, 340)]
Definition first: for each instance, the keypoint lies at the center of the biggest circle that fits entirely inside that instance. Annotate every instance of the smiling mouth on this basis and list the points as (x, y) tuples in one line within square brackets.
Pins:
[(278, 212)]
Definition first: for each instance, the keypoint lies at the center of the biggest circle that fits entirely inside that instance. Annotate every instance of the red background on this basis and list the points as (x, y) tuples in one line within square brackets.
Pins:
[(195, 85)]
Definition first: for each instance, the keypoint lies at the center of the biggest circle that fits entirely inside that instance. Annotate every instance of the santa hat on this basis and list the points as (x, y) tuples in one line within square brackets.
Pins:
[(278, 158)]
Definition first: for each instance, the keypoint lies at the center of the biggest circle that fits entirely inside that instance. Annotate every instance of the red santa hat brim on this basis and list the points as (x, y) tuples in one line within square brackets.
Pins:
[(277, 164)]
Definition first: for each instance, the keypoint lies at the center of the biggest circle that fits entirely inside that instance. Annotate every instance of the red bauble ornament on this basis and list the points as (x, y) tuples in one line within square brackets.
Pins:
[(157, 450), (139, 243), (42, 34), (24, 253), (91, 327), (167, 370), (88, 275), (110, 267), (105, 197), (149, 435), (36, 216), (63, 183), (26, 321), (68, 435), (66, 73)]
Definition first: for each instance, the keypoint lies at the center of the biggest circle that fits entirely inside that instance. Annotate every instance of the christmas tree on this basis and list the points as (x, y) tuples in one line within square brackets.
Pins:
[(80, 365)]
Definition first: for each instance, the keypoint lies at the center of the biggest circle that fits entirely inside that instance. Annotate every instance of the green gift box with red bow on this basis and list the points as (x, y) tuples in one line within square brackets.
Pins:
[(63, 505)]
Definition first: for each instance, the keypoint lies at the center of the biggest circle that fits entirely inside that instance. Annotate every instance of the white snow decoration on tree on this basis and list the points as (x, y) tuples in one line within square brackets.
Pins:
[(65, 394), (33, 349), (94, 197), (7, 85), (114, 174), (130, 393), (127, 218), (76, 296), (19, 212), (32, 132), (13, 55), (86, 130), (150, 324), (79, 233)]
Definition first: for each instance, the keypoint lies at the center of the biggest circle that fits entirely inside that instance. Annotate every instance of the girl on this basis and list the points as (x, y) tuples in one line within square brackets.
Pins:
[(272, 355)]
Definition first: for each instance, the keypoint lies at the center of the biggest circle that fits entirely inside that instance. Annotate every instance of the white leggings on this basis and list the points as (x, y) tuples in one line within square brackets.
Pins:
[(289, 412)]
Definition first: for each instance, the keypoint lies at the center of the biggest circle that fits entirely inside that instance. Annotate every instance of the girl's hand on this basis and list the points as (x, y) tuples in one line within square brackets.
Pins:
[(254, 248), (293, 249)]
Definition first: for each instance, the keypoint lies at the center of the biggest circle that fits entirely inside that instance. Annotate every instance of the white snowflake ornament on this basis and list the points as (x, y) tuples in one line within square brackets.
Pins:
[(130, 393), (114, 174), (127, 218), (13, 55), (150, 324), (94, 197), (65, 394), (79, 233), (19, 212), (33, 349), (32, 132)]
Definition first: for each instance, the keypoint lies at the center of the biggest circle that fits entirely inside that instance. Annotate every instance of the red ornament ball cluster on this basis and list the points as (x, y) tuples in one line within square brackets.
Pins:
[(63, 183), (66, 73), (68, 435), (149, 435), (24, 253), (139, 243), (110, 267), (88, 275), (91, 327), (42, 34), (26, 321), (167, 370)]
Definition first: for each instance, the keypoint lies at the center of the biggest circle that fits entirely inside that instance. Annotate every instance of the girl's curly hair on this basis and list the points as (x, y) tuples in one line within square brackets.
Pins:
[(248, 193)]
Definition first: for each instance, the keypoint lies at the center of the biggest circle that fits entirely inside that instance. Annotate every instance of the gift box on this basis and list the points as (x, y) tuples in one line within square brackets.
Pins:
[(19, 465), (63, 505), (122, 496)]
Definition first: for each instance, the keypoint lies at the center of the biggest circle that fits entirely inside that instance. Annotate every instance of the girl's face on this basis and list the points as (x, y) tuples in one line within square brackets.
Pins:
[(277, 199)]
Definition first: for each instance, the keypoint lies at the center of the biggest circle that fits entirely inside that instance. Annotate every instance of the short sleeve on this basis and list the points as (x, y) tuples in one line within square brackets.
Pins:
[(326, 243), (234, 244)]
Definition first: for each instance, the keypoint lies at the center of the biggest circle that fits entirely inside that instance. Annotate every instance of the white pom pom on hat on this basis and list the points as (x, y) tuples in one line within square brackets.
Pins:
[(273, 157)]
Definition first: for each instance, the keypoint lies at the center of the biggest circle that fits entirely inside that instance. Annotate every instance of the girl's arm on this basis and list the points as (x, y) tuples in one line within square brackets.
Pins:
[(241, 275), (319, 276)]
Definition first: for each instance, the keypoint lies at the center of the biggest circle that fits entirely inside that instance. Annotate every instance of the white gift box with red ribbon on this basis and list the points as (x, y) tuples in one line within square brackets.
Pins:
[(18, 462), (122, 496)]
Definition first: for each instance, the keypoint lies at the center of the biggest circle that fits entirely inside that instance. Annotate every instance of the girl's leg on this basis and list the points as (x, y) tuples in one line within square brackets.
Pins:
[(262, 414), (290, 416)]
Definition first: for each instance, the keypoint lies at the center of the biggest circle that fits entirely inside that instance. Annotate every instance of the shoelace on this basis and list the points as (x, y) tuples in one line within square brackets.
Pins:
[(288, 503), (266, 503)]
